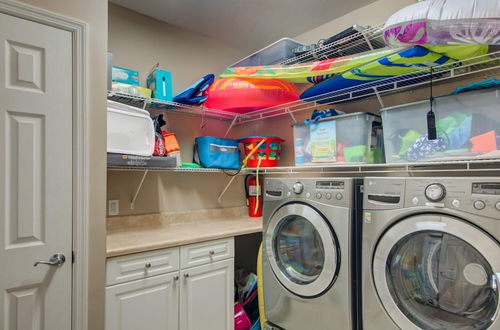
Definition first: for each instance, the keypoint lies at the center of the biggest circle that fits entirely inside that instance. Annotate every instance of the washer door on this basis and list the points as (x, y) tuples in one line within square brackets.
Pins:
[(302, 250), (438, 272)]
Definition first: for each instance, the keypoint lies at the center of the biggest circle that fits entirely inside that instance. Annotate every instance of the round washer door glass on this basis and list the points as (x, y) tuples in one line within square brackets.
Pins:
[(299, 249), (302, 250), (438, 280)]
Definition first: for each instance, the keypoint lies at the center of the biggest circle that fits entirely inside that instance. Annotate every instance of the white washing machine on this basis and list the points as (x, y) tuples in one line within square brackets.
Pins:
[(308, 277), (431, 253)]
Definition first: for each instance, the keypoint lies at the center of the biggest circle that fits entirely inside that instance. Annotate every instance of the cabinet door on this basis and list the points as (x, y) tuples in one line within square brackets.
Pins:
[(206, 299), (150, 303)]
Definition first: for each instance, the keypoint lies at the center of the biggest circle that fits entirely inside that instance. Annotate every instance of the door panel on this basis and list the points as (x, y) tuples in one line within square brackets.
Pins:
[(438, 272), (206, 297), (151, 303), (35, 174)]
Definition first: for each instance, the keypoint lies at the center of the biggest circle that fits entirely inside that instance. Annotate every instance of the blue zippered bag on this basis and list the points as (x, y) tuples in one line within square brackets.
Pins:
[(212, 152)]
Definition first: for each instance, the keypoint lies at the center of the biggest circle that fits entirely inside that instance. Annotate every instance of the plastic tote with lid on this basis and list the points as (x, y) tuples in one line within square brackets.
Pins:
[(467, 125), (130, 130)]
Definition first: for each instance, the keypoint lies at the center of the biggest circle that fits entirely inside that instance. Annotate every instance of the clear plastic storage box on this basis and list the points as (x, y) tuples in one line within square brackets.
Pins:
[(351, 138), (275, 53), (467, 124)]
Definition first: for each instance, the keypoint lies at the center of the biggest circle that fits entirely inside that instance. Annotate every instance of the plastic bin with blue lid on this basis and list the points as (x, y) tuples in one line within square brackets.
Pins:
[(349, 138), (467, 124)]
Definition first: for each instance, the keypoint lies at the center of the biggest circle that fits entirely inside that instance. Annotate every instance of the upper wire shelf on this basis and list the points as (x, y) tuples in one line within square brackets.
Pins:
[(155, 104), (489, 64)]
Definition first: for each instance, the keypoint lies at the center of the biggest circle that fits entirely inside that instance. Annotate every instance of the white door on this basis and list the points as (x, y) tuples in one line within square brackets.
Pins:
[(35, 175), (206, 300), (148, 304)]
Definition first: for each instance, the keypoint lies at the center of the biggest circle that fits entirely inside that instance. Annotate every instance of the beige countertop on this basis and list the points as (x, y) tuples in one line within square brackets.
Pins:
[(139, 233)]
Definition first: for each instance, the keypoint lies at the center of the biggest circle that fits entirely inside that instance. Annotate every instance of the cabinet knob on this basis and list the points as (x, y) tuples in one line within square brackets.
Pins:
[(176, 278), (186, 275), (211, 252), (148, 265)]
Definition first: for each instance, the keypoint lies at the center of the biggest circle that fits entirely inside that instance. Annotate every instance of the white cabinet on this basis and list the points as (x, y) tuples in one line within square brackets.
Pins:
[(187, 288), (206, 300), (150, 303)]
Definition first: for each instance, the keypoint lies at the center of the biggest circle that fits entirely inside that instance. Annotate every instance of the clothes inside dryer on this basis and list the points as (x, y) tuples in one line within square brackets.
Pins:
[(299, 250), (441, 282)]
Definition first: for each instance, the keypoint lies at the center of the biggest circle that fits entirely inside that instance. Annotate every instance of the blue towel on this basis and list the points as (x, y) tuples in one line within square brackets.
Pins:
[(191, 95), (487, 83)]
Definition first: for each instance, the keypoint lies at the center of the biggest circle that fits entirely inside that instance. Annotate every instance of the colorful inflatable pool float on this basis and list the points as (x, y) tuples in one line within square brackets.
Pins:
[(244, 95), (313, 72), (442, 22), (403, 63)]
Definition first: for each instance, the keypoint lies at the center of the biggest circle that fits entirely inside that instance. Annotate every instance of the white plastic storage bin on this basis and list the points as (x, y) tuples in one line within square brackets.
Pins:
[(350, 138), (130, 130), (467, 124)]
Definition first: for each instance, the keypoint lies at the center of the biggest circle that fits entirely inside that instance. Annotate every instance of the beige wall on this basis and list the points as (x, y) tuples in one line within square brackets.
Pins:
[(138, 42), (93, 12), (373, 14)]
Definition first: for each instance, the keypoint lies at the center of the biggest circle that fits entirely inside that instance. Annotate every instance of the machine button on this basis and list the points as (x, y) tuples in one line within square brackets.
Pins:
[(298, 188), (415, 200), (339, 196), (455, 203), (288, 194), (329, 196), (479, 205), (435, 192), (318, 195), (497, 206), (308, 194)]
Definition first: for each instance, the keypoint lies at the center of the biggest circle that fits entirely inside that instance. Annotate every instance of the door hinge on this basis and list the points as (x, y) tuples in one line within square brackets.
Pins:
[(72, 257)]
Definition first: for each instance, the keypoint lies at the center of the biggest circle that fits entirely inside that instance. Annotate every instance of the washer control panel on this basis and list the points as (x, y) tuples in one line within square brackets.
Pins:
[(323, 190), (474, 195)]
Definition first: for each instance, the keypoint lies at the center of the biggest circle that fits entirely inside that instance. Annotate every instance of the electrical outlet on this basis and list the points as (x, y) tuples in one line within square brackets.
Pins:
[(113, 207)]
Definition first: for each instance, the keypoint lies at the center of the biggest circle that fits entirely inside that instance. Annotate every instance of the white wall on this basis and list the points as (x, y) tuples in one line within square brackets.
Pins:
[(373, 14), (93, 12), (138, 42)]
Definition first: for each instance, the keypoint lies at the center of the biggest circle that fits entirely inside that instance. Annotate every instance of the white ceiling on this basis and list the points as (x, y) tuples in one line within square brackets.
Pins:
[(246, 24)]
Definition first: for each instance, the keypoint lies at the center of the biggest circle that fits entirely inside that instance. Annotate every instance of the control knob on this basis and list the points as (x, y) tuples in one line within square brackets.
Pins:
[(298, 188), (435, 192)]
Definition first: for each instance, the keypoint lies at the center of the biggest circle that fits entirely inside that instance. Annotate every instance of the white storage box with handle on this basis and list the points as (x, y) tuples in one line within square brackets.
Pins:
[(130, 130)]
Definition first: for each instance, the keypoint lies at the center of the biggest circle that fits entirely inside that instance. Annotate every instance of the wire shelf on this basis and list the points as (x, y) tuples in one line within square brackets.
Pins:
[(364, 40), (160, 105), (176, 169), (488, 64), (483, 165)]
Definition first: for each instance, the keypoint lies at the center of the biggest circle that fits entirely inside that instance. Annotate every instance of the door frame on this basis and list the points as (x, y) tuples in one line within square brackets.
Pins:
[(81, 233)]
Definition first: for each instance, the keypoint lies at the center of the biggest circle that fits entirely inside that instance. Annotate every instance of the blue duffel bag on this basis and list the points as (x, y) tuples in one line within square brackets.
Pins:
[(212, 152)]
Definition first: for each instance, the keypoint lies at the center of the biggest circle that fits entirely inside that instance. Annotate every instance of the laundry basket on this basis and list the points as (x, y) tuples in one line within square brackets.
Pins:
[(268, 152)]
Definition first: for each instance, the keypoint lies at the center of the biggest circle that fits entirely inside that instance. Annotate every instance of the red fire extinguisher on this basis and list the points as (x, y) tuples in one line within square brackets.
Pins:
[(253, 190)]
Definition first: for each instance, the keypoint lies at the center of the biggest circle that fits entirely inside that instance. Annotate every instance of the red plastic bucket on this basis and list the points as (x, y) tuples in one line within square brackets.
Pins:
[(269, 152)]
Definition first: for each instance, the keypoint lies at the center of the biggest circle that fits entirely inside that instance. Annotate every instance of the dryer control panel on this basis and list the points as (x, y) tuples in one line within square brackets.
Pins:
[(473, 195)]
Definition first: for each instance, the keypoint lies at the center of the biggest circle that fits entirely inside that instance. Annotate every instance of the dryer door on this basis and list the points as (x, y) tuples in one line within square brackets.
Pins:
[(302, 250), (438, 272)]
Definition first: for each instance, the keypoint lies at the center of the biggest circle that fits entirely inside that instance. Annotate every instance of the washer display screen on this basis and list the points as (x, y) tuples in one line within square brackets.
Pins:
[(441, 282)]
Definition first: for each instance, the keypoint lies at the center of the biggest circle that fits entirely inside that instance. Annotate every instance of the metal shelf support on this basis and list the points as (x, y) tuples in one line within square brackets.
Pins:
[(136, 194)]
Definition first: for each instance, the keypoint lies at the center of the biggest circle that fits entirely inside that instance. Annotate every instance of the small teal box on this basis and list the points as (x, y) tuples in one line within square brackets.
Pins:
[(125, 76), (160, 82)]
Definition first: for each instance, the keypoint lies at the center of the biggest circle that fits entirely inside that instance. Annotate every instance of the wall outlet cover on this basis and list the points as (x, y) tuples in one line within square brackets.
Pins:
[(113, 207)]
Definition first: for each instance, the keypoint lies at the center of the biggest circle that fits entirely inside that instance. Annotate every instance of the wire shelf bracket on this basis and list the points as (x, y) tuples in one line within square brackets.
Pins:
[(136, 194)]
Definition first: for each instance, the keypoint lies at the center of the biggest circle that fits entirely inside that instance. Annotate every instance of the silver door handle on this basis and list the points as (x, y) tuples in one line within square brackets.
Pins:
[(57, 260)]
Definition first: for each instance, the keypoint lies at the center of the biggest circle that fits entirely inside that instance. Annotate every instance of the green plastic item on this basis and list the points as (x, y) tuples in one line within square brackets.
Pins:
[(190, 165), (408, 140), (355, 154)]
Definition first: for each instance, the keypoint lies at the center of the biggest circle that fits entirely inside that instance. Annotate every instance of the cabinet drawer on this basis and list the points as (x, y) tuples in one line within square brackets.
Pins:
[(141, 265), (206, 252)]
